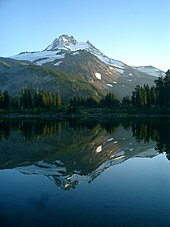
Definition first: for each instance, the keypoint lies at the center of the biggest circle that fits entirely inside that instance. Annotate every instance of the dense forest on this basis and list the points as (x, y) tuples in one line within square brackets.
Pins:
[(144, 99), (25, 100), (156, 96)]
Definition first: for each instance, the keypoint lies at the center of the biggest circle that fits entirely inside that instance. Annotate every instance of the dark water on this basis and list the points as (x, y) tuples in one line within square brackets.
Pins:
[(85, 174)]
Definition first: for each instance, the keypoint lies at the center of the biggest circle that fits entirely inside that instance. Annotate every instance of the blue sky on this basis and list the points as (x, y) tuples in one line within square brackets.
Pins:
[(136, 32)]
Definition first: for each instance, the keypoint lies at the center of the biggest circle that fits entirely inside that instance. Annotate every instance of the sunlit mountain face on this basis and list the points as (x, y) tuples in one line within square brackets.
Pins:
[(56, 52), (71, 153), (73, 68)]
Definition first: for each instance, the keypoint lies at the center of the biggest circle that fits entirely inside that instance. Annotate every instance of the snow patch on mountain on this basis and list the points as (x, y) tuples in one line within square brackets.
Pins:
[(98, 76), (110, 67), (75, 53), (118, 64), (151, 71), (39, 57), (109, 61), (121, 71)]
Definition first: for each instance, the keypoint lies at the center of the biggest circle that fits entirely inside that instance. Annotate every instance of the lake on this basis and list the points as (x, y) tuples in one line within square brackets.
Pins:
[(110, 173)]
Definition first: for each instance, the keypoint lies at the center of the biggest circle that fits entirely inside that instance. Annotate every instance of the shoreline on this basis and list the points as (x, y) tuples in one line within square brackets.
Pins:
[(80, 116)]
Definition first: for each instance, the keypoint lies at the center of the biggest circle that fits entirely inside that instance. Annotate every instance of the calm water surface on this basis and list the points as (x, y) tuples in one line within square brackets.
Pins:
[(88, 174)]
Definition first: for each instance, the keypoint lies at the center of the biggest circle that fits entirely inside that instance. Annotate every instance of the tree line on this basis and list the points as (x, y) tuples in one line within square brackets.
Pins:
[(145, 97), (155, 96), (47, 100), (109, 100), (27, 100)]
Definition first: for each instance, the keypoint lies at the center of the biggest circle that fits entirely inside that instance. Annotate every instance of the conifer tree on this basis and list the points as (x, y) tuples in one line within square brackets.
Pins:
[(160, 88), (58, 99), (6, 99)]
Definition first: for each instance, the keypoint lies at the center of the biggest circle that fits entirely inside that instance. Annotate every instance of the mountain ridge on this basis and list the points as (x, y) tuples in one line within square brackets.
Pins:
[(68, 44), (74, 68)]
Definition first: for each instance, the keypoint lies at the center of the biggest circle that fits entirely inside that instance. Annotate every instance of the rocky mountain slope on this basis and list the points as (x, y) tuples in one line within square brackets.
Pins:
[(14, 75), (73, 68)]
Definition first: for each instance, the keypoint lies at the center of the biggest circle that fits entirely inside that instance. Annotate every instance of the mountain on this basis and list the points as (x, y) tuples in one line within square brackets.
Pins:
[(87, 71), (14, 75), (55, 53), (151, 71)]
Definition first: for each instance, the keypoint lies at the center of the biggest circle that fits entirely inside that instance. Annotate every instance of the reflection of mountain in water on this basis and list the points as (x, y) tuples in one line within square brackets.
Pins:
[(66, 155)]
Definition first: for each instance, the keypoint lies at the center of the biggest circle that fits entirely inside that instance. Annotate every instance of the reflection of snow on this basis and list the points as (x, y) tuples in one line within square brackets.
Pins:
[(110, 139), (119, 154), (109, 85), (152, 152), (99, 149)]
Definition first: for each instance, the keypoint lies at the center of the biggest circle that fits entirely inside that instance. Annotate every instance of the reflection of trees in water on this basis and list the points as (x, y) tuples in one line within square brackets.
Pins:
[(40, 128), (82, 147), (157, 130), (109, 125), (143, 129), (30, 129), (163, 141), (4, 130), (76, 124)]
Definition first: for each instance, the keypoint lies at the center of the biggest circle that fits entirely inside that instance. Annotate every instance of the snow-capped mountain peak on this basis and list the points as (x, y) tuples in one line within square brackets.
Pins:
[(55, 54), (68, 44), (64, 41)]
